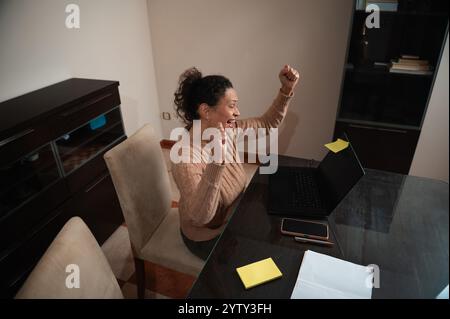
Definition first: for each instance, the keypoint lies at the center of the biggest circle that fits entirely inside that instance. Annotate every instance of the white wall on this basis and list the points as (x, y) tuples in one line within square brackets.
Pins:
[(249, 41), (113, 43), (431, 156)]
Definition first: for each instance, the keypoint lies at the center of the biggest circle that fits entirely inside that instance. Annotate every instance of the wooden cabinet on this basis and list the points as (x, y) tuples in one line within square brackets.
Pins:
[(387, 148), (52, 143), (382, 108)]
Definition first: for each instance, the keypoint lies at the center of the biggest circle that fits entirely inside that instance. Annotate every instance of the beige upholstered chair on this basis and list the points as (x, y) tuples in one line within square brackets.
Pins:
[(141, 179), (74, 245)]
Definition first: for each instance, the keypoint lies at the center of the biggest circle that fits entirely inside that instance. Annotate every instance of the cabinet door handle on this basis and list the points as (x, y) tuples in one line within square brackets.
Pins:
[(83, 106), (362, 126), (378, 129), (96, 183), (15, 137), (391, 130)]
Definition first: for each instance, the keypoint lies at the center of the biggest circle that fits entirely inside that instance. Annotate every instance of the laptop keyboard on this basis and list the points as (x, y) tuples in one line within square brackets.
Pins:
[(305, 191)]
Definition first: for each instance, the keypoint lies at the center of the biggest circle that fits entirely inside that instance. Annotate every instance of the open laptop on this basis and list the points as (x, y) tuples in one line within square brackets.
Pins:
[(314, 192)]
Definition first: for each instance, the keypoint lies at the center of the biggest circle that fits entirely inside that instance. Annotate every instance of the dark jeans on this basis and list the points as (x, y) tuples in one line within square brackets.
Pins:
[(201, 249)]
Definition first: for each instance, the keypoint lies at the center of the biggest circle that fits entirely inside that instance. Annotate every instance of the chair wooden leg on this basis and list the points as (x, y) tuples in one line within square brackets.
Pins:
[(140, 277)]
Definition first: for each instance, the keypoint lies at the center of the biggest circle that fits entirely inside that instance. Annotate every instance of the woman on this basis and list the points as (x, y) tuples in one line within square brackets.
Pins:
[(207, 191)]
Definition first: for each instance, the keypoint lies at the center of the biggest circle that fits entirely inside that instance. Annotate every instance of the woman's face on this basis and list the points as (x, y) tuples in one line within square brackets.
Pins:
[(226, 110)]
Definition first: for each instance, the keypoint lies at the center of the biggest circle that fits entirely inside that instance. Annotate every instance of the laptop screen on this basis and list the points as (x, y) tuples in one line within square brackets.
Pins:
[(338, 173)]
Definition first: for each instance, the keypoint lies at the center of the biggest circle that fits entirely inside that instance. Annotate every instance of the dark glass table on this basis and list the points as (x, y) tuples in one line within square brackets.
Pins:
[(397, 222)]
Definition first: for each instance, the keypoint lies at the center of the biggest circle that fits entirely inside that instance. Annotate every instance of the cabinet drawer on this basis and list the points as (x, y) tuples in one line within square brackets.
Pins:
[(77, 115), (381, 148), (20, 222), (16, 266), (21, 142), (26, 179), (99, 207)]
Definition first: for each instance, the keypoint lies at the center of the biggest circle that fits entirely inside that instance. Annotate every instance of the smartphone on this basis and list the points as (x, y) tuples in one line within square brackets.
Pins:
[(304, 228), (313, 241)]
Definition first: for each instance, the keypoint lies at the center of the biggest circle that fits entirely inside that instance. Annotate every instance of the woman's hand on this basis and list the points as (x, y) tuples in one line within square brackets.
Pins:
[(288, 78)]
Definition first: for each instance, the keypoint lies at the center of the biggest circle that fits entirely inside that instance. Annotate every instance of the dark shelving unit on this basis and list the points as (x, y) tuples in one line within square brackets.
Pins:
[(382, 112)]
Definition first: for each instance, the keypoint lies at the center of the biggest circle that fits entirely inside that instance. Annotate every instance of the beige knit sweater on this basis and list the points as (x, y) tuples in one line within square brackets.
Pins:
[(207, 191)]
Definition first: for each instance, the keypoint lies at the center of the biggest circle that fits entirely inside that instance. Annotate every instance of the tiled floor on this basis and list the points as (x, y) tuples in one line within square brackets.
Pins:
[(161, 282)]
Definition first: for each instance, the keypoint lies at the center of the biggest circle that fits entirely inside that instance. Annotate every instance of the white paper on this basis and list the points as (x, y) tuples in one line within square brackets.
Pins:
[(443, 294), (325, 277)]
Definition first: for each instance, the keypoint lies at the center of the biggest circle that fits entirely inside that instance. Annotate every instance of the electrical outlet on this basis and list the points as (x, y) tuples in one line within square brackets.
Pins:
[(166, 116)]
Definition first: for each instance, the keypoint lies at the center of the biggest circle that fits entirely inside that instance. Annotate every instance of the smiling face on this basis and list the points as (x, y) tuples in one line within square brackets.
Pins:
[(226, 111)]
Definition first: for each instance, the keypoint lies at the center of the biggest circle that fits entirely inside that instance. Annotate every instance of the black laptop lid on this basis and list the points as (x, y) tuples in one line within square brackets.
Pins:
[(338, 173)]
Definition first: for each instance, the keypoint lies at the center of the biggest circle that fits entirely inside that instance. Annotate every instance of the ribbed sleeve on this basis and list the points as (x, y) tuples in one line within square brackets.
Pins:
[(272, 117)]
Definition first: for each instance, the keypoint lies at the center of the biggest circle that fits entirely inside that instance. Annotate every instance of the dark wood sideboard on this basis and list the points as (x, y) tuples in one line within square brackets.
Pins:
[(52, 142)]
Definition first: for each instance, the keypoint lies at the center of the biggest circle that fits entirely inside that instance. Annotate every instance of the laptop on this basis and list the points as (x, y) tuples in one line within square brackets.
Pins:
[(314, 192)]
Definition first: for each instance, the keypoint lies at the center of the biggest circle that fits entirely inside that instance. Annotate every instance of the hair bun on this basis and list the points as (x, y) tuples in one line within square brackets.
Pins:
[(190, 76)]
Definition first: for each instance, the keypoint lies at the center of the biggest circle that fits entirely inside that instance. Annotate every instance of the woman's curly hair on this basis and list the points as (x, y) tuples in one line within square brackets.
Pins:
[(193, 90)]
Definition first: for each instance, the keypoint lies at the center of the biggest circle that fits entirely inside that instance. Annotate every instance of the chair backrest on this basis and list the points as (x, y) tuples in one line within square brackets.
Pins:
[(74, 257), (142, 183)]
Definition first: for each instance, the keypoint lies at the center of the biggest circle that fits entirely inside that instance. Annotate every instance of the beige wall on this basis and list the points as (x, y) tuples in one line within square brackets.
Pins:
[(431, 156), (249, 41), (36, 50)]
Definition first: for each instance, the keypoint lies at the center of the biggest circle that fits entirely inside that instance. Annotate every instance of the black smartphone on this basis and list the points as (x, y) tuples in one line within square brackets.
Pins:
[(304, 228)]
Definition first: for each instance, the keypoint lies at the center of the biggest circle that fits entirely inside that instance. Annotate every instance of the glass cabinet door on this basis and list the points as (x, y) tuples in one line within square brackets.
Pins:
[(26, 177), (80, 145)]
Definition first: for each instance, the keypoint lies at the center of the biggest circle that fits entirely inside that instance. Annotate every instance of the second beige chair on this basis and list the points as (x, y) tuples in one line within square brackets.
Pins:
[(76, 246), (141, 180)]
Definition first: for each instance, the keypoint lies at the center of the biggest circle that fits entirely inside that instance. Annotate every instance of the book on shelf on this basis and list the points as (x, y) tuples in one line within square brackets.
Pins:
[(418, 72), (412, 61), (410, 57), (410, 64), (410, 67)]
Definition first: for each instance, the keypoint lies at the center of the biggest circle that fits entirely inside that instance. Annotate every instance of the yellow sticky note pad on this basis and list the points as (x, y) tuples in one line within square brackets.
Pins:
[(258, 272), (337, 146)]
